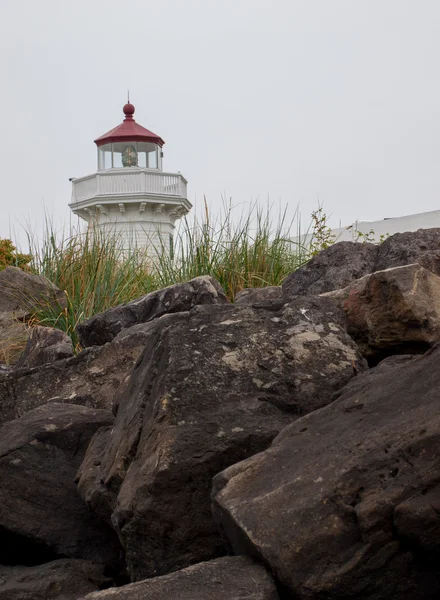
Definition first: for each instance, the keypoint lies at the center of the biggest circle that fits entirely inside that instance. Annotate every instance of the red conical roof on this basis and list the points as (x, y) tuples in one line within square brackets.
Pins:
[(129, 131)]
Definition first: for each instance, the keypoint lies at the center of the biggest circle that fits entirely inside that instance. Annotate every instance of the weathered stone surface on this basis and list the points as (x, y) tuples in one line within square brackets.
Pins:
[(228, 578), (180, 297), (20, 294), (213, 386), (254, 295), (92, 378), (422, 246), (331, 269), (345, 502), (63, 579), (41, 513), (393, 311), (45, 345)]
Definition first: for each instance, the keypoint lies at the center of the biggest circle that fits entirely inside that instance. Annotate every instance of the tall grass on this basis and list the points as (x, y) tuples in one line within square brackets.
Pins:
[(249, 250)]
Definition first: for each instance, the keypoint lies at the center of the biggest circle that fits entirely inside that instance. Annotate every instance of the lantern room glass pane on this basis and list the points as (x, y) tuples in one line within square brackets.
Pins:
[(105, 157)]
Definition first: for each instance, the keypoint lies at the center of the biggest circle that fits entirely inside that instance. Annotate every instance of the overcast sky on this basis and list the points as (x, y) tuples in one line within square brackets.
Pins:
[(298, 101)]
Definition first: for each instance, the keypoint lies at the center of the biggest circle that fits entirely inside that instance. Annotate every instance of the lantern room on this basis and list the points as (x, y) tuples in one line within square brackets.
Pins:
[(129, 145)]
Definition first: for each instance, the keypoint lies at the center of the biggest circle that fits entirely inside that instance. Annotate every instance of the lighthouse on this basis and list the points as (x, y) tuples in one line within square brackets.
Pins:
[(130, 196)]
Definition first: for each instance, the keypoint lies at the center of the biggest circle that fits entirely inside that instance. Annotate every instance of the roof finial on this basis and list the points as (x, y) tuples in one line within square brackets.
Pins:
[(128, 96)]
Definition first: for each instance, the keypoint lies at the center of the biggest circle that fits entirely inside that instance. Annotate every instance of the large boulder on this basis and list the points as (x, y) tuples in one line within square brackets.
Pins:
[(92, 378), (393, 311), (180, 297), (422, 246), (213, 386), (331, 269), (345, 503), (21, 293), (62, 579), (228, 578), (42, 516), (45, 345)]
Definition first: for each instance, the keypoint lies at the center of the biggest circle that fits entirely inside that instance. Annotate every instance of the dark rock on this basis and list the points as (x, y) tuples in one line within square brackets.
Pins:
[(213, 386), (264, 294), (395, 311), (331, 269), (422, 246), (363, 381), (180, 297), (45, 345), (92, 378), (62, 579), (42, 517), (345, 502), (228, 578)]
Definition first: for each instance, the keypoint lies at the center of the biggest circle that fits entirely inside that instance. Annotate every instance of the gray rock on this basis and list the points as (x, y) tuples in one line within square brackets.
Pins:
[(62, 579), (21, 293), (42, 517), (180, 297), (213, 386), (395, 311), (45, 345), (229, 578), (92, 378), (422, 246), (331, 269), (345, 502), (254, 295)]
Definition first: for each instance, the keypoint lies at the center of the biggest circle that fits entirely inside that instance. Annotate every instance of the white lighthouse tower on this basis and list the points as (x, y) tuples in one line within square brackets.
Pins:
[(130, 196)]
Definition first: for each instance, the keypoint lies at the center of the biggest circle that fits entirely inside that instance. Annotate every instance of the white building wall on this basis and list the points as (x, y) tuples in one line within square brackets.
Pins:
[(378, 230), (135, 226), (387, 227)]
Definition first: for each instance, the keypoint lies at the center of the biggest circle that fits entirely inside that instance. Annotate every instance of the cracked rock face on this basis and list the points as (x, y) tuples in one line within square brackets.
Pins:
[(345, 503), (212, 387)]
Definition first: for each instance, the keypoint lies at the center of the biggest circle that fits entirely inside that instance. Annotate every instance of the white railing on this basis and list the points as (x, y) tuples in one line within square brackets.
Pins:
[(120, 182)]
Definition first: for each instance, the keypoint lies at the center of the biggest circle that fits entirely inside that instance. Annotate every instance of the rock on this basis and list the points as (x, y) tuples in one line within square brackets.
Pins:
[(213, 386), (393, 311), (363, 381), (422, 246), (228, 578), (344, 504), (92, 378), (42, 517), (45, 345), (62, 579), (21, 293), (331, 269), (263, 294), (180, 297)]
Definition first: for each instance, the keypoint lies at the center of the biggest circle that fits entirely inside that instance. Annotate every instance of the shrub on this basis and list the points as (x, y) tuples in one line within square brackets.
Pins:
[(9, 257)]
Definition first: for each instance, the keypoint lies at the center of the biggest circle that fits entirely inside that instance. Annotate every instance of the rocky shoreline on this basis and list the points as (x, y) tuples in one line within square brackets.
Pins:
[(284, 446)]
